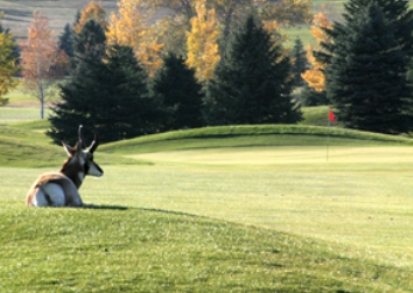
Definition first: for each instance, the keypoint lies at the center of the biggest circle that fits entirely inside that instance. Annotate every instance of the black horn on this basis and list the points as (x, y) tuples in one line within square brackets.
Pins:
[(95, 143), (80, 136)]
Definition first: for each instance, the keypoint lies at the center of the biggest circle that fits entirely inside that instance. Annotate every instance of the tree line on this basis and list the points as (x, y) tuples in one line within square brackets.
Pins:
[(362, 66), (223, 62), (109, 89)]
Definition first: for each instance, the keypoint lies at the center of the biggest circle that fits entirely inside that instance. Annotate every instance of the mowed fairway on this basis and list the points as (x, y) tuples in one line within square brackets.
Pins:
[(361, 196), (205, 211)]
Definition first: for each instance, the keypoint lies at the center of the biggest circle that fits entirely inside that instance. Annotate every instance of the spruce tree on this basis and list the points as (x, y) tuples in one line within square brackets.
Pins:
[(180, 93), (108, 95), (65, 42), (311, 97), (298, 54), (90, 43), (366, 79), (396, 12), (254, 84)]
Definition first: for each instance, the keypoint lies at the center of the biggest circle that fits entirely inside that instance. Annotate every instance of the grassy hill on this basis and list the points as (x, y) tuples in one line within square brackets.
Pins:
[(270, 208), (218, 209), (111, 249), (250, 136), (24, 143)]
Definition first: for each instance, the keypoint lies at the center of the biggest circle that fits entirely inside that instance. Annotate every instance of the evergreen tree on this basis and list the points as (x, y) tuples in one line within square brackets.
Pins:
[(366, 80), (300, 65), (311, 97), (16, 48), (254, 85), (177, 87), (109, 95), (90, 43), (77, 17), (396, 12), (65, 41)]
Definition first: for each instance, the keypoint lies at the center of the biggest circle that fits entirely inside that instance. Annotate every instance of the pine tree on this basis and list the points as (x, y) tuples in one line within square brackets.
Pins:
[(300, 63), (89, 43), (8, 62), (66, 40), (109, 95), (254, 85), (396, 12), (181, 94), (366, 79), (311, 97)]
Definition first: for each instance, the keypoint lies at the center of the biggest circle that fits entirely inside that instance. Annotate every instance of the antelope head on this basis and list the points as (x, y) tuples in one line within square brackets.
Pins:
[(80, 162)]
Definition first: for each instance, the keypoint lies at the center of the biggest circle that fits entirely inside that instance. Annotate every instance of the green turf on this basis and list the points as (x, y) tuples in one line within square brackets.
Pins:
[(26, 145), (317, 116), (248, 136), (18, 114), (242, 237), (114, 250), (220, 209)]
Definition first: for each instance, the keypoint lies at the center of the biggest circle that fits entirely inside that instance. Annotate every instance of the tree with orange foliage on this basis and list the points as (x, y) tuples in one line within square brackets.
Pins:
[(203, 52), (41, 60), (130, 28), (315, 77), (92, 11)]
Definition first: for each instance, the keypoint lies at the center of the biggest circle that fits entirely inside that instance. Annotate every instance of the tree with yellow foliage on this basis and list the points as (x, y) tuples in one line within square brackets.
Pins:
[(93, 11), (203, 52), (7, 64), (315, 77), (129, 27), (231, 15)]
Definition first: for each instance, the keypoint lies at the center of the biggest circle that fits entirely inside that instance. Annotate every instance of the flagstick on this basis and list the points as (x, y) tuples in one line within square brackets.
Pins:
[(328, 138)]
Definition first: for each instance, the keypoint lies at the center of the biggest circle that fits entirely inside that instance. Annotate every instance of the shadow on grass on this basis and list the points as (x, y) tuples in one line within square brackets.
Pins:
[(168, 212), (104, 207)]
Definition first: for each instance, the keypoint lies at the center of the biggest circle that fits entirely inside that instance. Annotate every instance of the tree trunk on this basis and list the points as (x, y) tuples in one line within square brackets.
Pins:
[(41, 92)]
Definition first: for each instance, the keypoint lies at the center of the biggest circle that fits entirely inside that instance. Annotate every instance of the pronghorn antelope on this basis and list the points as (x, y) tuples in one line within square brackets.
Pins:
[(61, 188)]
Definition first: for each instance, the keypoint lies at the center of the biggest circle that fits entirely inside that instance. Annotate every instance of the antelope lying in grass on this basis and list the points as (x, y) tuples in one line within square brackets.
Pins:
[(61, 188)]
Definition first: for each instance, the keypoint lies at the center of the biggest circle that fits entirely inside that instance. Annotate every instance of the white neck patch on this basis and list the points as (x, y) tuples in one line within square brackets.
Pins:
[(94, 170)]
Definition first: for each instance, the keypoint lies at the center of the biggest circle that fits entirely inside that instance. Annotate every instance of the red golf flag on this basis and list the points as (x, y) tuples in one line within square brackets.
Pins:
[(331, 116)]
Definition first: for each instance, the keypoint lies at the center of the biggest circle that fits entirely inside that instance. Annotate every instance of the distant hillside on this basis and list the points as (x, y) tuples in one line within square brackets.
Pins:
[(18, 14)]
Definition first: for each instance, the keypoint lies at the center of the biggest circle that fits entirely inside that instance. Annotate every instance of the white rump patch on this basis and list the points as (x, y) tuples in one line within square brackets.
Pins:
[(54, 192), (39, 199)]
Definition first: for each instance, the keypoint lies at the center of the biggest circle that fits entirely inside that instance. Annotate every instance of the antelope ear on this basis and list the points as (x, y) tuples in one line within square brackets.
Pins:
[(69, 150)]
